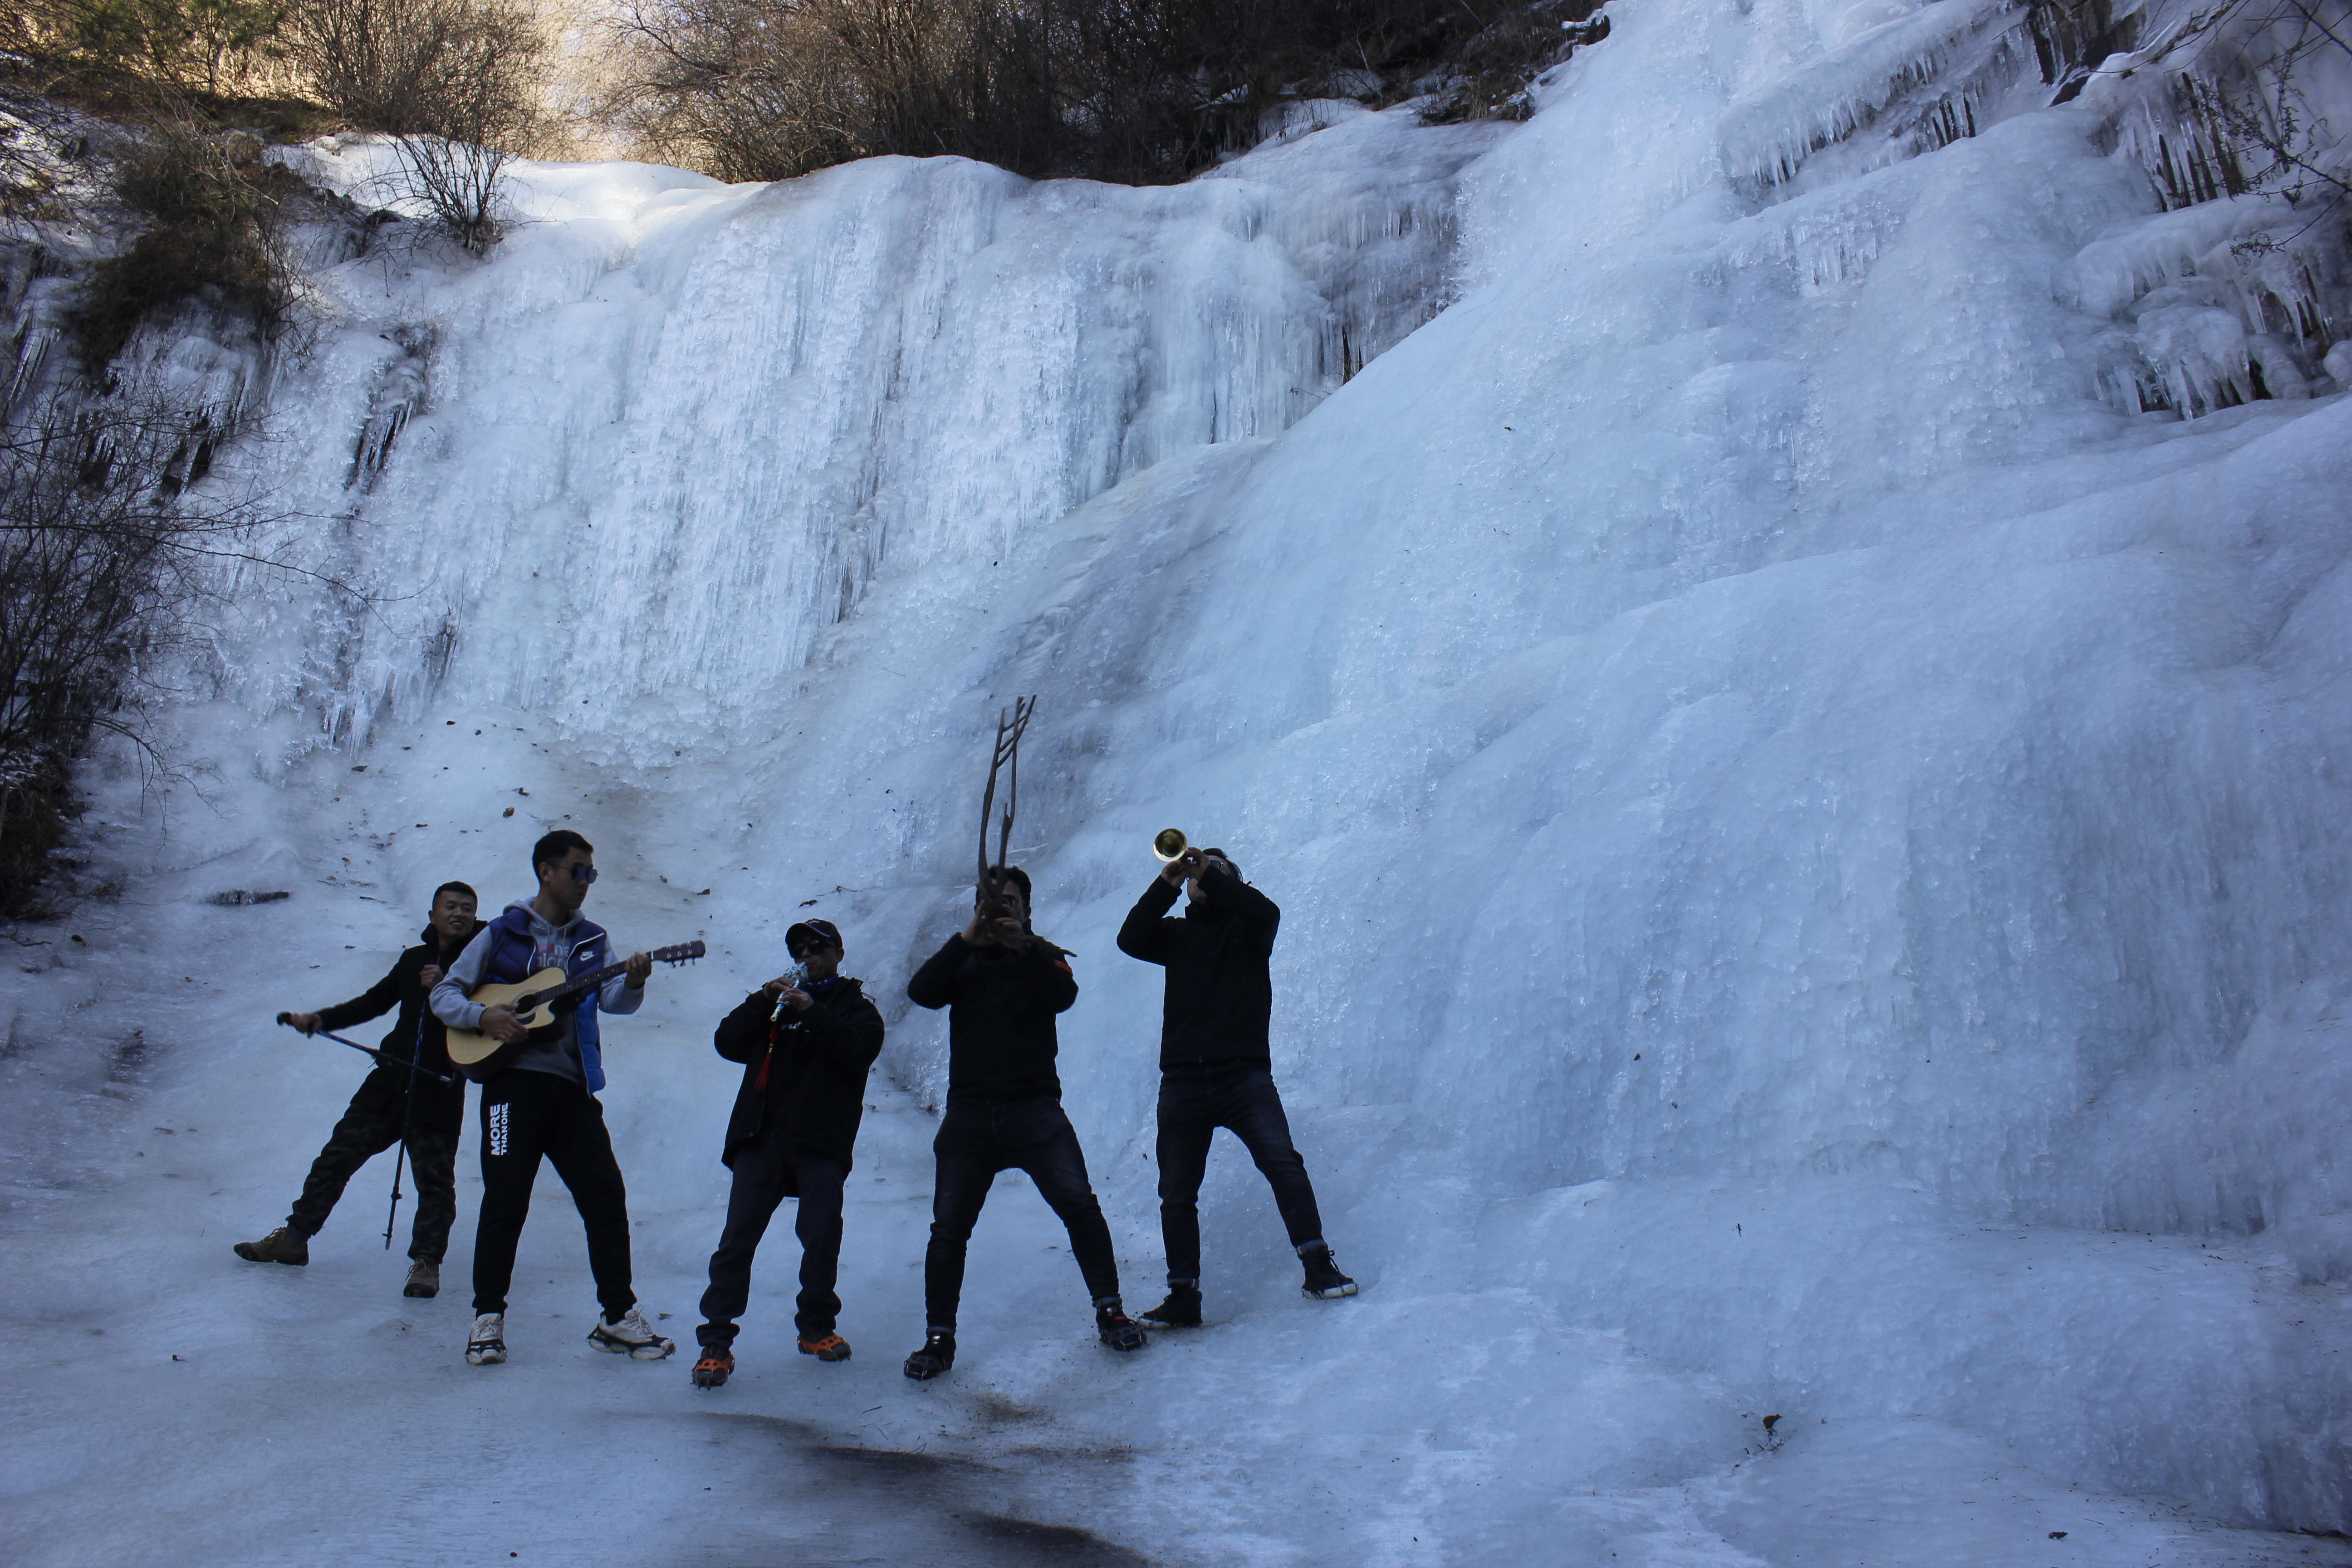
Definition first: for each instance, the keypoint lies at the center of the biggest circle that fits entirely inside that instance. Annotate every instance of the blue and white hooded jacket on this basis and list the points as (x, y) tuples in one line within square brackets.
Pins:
[(518, 946)]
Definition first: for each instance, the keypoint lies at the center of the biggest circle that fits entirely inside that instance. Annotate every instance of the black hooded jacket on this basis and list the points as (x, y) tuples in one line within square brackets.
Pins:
[(804, 1074), (1220, 994), (1000, 1008), (439, 1106)]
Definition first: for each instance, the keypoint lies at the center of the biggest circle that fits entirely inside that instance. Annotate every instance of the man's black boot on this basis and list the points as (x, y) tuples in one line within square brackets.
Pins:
[(1181, 1310), (937, 1355), (1323, 1277), (1116, 1328)]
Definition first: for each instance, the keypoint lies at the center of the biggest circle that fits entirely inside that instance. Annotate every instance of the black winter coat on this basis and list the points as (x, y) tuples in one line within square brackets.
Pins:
[(1220, 994), (439, 1106), (813, 1093), (1000, 1008)]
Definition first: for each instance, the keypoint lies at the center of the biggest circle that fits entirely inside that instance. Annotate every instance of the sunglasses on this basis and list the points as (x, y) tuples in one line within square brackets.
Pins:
[(582, 873)]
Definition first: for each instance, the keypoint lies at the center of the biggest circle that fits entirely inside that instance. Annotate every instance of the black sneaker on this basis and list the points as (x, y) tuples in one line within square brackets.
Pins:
[(1323, 1277), (716, 1365), (937, 1355), (1117, 1329), (1181, 1310)]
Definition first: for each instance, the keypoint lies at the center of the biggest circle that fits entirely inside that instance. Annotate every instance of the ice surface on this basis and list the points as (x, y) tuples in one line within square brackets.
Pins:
[(1811, 830)]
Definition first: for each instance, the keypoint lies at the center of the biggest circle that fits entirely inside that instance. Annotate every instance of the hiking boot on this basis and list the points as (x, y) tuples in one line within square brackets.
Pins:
[(716, 1365), (1181, 1310), (487, 1346), (423, 1280), (1117, 1329), (1323, 1277), (826, 1347), (632, 1335), (937, 1355), (284, 1245)]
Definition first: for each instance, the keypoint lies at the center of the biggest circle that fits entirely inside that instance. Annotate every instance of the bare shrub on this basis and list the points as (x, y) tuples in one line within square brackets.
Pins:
[(103, 559), (1491, 69), (758, 89), (457, 81), (193, 45), (2251, 75), (212, 204), (1140, 91)]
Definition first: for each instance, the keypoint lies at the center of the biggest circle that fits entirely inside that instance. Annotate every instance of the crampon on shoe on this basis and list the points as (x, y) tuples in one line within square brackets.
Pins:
[(487, 1346), (1117, 1331), (631, 1336), (716, 1365), (1324, 1279), (937, 1355), (826, 1347), (284, 1245), (423, 1280), (1181, 1310)]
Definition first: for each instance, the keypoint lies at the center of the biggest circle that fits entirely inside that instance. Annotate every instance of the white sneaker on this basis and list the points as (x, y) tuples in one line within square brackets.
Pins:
[(487, 1346), (632, 1335)]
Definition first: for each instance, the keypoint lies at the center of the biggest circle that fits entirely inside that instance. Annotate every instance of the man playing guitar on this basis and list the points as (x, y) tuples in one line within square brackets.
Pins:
[(539, 1098)]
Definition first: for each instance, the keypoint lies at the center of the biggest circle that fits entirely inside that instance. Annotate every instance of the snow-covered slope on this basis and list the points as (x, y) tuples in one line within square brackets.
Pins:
[(1810, 833)]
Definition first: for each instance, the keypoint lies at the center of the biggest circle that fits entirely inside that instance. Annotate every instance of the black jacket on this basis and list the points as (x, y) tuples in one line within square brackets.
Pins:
[(1219, 993), (815, 1089), (1001, 1006), (438, 1106)]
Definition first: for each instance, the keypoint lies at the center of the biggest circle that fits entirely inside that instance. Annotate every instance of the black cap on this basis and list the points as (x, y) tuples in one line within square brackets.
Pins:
[(806, 934)]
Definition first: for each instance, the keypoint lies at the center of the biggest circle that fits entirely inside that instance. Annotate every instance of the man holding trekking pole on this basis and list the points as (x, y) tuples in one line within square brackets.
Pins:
[(396, 1103)]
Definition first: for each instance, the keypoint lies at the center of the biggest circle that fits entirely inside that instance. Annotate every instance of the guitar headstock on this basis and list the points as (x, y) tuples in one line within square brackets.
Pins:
[(683, 953)]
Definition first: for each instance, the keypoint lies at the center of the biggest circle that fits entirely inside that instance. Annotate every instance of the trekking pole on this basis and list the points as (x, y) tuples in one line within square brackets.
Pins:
[(393, 1219), (288, 1019), (407, 1125)]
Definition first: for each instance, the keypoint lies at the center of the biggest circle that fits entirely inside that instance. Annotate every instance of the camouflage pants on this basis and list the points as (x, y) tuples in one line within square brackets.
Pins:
[(369, 1128)]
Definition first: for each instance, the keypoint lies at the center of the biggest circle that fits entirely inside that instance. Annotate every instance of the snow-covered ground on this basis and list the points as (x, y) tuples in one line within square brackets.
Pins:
[(1812, 836)]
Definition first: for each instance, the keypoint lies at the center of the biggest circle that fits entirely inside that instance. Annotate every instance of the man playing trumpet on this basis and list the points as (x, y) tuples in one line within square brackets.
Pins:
[(1215, 1066)]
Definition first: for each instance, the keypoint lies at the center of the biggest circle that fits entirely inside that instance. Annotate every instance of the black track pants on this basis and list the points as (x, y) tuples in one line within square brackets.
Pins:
[(525, 1116), (974, 1142), (766, 1173), (1192, 1106), (368, 1128)]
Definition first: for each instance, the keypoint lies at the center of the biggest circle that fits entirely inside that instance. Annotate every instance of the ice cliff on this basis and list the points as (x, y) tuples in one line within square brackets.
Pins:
[(1780, 631)]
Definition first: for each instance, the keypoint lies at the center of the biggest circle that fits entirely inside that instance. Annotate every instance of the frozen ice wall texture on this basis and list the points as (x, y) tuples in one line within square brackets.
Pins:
[(673, 435), (1775, 769)]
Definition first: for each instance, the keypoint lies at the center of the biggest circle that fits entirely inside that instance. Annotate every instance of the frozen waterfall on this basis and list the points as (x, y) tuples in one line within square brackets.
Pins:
[(1809, 812)]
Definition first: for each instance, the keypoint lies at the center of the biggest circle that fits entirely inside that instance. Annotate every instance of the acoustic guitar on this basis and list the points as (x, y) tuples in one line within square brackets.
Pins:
[(534, 1001)]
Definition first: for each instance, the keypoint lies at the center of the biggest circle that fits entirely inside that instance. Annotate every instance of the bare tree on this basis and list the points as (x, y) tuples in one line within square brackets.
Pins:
[(1145, 91), (103, 558), (457, 81)]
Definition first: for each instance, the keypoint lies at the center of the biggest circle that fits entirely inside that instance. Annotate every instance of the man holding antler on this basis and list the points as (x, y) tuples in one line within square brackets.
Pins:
[(1216, 1066), (1004, 986)]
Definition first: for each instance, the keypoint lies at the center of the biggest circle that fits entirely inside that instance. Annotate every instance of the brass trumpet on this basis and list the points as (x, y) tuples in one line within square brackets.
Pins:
[(1169, 845)]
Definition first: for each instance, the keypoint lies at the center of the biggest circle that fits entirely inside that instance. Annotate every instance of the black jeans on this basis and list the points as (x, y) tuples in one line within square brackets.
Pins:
[(368, 1128), (527, 1116), (1192, 1106), (974, 1142), (767, 1173)]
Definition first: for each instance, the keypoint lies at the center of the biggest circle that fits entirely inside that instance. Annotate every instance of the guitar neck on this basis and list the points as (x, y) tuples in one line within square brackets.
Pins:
[(573, 988), (683, 953)]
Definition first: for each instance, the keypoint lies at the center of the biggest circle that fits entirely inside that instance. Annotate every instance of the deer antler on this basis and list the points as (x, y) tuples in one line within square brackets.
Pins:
[(1011, 724)]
